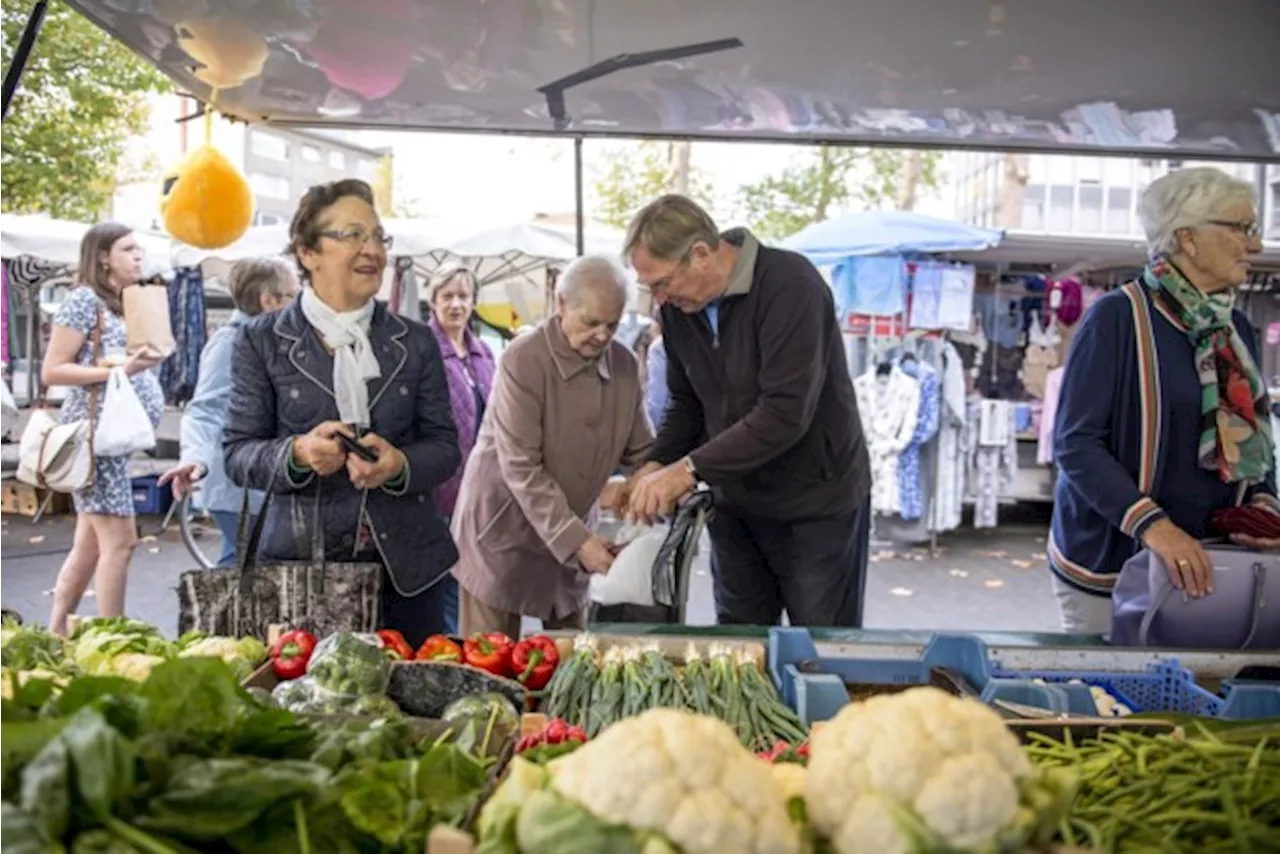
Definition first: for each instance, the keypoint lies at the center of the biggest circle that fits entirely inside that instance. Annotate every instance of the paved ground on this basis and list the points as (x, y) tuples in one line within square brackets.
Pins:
[(990, 580)]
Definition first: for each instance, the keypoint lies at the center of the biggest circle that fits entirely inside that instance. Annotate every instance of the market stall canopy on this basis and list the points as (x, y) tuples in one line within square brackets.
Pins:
[(57, 242), (1170, 78), (512, 263), (1068, 255), (886, 233)]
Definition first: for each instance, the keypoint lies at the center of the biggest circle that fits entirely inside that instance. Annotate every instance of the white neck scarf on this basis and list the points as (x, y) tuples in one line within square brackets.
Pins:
[(347, 335)]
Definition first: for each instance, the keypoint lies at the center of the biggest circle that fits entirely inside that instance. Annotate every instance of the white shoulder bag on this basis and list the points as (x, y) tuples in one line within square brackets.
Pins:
[(60, 456)]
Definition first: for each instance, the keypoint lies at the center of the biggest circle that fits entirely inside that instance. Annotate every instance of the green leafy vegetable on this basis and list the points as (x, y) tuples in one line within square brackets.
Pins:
[(103, 760), (45, 794)]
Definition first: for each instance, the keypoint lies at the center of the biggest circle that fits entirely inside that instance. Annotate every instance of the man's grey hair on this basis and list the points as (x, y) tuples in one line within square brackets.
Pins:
[(1187, 198), (592, 274)]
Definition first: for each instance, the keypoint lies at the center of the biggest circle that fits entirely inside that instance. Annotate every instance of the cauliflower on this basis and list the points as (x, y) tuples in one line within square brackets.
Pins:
[(667, 780), (242, 655), (132, 665), (920, 770)]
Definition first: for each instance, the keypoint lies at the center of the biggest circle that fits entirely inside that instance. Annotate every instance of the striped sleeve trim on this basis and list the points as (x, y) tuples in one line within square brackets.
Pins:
[(1266, 501), (1079, 575), (1140, 514)]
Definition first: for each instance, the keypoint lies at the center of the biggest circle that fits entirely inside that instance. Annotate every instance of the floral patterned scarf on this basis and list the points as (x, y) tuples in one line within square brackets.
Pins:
[(1235, 426)]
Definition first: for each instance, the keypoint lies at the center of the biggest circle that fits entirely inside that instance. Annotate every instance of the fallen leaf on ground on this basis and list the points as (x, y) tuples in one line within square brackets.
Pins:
[(150, 538), (992, 554), (960, 573), (1022, 564), (39, 538), (155, 550), (993, 583), (1038, 556), (901, 591), (1039, 539)]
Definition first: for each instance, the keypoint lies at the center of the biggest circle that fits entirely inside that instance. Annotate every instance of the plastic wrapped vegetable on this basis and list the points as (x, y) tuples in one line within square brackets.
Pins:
[(665, 781), (243, 655), (295, 694), (375, 706), (925, 771), (350, 664)]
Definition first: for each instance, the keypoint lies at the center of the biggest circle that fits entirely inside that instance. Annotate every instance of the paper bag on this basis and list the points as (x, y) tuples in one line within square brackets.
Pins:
[(146, 320)]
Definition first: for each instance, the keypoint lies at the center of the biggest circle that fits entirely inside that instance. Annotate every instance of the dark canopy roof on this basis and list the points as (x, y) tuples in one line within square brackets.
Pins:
[(1171, 78)]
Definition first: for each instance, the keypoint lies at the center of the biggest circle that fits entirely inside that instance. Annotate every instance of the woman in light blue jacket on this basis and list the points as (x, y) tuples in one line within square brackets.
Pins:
[(257, 286)]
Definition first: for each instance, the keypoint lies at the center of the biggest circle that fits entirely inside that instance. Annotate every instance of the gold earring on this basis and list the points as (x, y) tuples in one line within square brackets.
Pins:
[(1191, 251)]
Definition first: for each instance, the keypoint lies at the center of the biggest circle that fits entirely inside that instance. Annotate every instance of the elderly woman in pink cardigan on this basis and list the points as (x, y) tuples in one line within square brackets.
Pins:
[(468, 364)]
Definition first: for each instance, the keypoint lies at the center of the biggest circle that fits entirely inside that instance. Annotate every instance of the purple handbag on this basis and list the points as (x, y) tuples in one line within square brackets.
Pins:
[(1243, 612)]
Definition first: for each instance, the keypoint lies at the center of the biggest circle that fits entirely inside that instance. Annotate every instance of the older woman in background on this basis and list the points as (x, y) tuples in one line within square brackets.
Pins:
[(468, 364), (337, 362), (567, 410), (88, 339), (1162, 418), (257, 286)]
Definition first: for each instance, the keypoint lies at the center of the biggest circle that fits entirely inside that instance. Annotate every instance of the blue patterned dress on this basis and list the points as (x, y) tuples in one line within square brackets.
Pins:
[(111, 493)]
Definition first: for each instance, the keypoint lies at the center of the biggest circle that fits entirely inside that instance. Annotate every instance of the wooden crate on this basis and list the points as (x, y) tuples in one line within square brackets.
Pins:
[(24, 499)]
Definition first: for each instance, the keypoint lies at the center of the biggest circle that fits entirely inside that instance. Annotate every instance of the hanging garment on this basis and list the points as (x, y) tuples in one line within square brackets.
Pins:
[(992, 451), (888, 406), (948, 492), (405, 298), (1036, 364), (911, 486), (1052, 388), (955, 297), (926, 297), (179, 373), (872, 285), (4, 312)]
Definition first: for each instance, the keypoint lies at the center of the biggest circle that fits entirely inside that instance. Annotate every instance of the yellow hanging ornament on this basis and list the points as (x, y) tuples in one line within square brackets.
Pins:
[(206, 202)]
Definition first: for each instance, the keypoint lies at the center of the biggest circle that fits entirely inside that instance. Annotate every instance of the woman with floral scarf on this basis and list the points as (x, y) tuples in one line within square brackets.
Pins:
[(1163, 419)]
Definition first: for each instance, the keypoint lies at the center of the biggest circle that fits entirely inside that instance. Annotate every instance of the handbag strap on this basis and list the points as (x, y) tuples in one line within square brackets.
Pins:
[(248, 559), (1167, 590), (95, 337)]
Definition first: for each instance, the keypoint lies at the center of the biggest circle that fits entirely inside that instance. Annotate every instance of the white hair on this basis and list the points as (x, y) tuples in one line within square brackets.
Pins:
[(1186, 198), (592, 273)]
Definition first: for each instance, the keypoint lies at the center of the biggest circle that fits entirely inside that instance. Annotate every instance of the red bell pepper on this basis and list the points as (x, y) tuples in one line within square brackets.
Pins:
[(489, 651), (291, 652), (394, 646), (439, 648), (534, 660), (555, 732)]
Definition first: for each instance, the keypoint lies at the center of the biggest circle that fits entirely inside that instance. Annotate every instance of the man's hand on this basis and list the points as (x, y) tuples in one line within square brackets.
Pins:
[(319, 450), (596, 555), (391, 462), (183, 477), (1184, 558), (655, 494), (1258, 544)]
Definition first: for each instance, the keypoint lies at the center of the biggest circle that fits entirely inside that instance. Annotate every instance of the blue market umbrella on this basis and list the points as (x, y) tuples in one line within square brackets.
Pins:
[(887, 233)]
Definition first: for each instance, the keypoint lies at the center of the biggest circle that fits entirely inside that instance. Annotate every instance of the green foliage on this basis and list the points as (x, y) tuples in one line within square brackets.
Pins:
[(629, 178), (829, 178), (82, 96)]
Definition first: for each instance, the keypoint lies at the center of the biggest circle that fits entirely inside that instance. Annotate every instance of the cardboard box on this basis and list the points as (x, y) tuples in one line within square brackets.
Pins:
[(24, 499)]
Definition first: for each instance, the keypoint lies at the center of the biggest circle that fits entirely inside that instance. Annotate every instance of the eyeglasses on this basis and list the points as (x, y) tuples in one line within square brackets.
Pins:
[(1251, 230), (658, 285), (357, 236)]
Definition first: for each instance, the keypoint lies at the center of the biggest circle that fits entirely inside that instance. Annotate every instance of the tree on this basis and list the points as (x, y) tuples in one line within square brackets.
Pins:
[(631, 177), (829, 178), (82, 96), (388, 202)]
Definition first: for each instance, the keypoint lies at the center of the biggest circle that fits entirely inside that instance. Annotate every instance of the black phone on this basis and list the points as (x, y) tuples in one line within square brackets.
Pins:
[(351, 446)]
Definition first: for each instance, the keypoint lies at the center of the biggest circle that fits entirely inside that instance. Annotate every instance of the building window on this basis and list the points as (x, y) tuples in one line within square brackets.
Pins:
[(267, 219), (269, 186), (268, 145), (1090, 220), (367, 170), (1119, 200), (1033, 207), (1273, 215), (311, 154), (1061, 199), (337, 160)]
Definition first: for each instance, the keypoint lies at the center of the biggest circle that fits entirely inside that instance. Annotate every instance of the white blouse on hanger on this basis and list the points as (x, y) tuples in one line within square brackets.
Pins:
[(888, 406)]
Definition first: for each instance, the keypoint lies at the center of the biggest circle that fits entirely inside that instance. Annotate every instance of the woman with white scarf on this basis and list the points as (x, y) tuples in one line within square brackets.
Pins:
[(335, 366)]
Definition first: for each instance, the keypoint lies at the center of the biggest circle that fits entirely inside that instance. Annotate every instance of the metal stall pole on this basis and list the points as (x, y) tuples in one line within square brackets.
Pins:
[(13, 74), (580, 217)]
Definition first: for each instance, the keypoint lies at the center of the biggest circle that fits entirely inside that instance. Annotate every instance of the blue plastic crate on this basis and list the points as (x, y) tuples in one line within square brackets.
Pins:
[(1164, 687), (149, 498), (1250, 701), (820, 696)]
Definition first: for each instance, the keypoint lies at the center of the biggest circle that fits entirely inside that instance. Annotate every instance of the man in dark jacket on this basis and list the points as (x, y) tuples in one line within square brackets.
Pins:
[(756, 367)]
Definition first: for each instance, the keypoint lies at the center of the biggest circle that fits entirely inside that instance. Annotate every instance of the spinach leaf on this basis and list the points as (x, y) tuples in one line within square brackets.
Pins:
[(22, 832), (269, 733), (376, 800), (45, 792), (102, 842), (448, 779), (99, 691), (20, 742), (211, 798), (103, 760)]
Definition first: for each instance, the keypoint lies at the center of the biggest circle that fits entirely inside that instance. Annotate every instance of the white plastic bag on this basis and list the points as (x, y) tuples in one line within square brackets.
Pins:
[(123, 426), (10, 410), (630, 579)]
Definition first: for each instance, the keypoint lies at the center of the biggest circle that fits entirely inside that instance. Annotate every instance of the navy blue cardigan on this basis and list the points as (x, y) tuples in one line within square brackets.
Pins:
[(1125, 439)]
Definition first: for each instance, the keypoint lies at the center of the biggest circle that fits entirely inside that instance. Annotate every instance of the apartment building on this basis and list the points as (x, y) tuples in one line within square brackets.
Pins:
[(1075, 195), (279, 163)]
